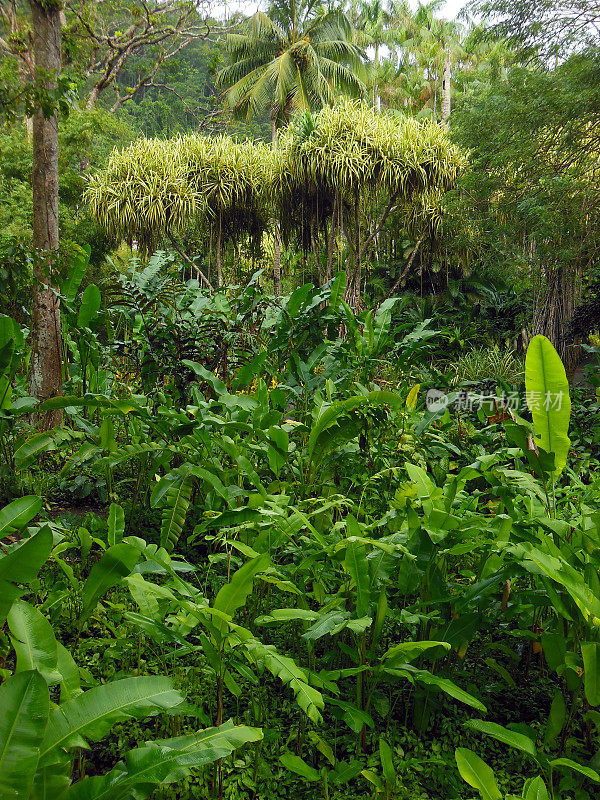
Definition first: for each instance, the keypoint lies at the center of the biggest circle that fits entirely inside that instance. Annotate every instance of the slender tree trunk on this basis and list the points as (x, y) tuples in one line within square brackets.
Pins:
[(218, 252), (446, 86), (376, 96), (277, 262), (46, 361), (277, 233)]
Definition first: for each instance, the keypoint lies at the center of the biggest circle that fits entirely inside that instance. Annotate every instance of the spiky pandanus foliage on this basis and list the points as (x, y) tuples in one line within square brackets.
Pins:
[(154, 189), (235, 181), (352, 163), (143, 193), (295, 58)]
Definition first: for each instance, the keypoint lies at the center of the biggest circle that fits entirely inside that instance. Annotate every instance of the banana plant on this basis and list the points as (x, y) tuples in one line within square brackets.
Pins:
[(39, 740), (480, 776)]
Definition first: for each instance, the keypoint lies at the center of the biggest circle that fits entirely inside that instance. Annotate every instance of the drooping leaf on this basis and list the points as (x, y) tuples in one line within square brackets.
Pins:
[(233, 595), (502, 734), (590, 652), (17, 514), (90, 715), (115, 564), (300, 767)]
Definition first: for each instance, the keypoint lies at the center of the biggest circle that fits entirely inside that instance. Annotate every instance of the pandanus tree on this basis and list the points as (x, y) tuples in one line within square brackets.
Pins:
[(348, 169), (154, 190), (294, 58)]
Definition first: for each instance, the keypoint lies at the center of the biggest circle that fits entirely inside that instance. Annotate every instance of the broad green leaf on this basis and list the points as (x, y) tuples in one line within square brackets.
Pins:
[(70, 683), (116, 524), (591, 672), (535, 789), (420, 479), (25, 559), (24, 701), (286, 615), (29, 450), (233, 595), (90, 715), (91, 301), (411, 398), (34, 641), (77, 268), (163, 762), (447, 686), (386, 757), (308, 698), (116, 563), (338, 285), (179, 496), (19, 513), (556, 718), (547, 390), (408, 651), (330, 415), (504, 735), (569, 764), (300, 767), (357, 566), (477, 774)]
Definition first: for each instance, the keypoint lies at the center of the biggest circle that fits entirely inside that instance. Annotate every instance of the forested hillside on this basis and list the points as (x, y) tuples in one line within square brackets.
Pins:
[(299, 400)]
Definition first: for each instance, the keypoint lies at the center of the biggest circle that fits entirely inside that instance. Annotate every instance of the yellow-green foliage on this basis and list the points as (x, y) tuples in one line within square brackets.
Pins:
[(350, 147), (155, 187)]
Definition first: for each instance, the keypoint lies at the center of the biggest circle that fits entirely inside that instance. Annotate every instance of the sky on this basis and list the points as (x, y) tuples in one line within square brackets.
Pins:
[(450, 10)]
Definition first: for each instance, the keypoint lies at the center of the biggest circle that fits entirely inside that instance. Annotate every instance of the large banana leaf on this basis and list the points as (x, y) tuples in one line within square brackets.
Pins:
[(90, 305), (308, 698), (233, 595), (547, 391), (329, 415), (179, 496), (18, 513), (92, 714), (116, 563), (24, 704), (34, 641), (163, 762), (477, 774), (22, 565)]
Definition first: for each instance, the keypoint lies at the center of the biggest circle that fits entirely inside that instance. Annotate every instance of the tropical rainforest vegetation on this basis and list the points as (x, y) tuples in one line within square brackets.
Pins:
[(299, 400)]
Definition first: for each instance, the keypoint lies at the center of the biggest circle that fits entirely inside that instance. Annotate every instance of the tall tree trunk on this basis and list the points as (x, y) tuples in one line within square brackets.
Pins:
[(46, 362), (446, 85), (376, 95), (277, 262), (218, 252), (277, 233)]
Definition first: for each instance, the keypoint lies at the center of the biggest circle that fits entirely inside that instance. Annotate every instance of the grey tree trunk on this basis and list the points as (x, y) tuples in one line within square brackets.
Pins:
[(218, 253), (277, 262), (446, 86), (277, 234), (46, 362)]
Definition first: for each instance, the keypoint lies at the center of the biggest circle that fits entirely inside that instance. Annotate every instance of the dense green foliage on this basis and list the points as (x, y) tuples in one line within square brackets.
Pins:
[(282, 522), (313, 508)]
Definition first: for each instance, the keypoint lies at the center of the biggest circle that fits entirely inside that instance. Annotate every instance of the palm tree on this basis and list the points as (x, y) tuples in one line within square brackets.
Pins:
[(373, 31), (293, 58)]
